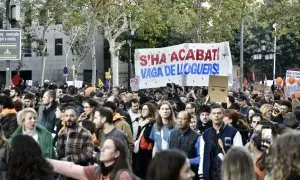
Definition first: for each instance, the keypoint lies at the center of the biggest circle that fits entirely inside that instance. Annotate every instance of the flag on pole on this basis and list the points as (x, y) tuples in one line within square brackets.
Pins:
[(16, 79), (100, 83)]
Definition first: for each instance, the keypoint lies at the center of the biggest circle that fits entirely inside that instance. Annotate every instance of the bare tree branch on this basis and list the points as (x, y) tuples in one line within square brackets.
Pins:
[(123, 28)]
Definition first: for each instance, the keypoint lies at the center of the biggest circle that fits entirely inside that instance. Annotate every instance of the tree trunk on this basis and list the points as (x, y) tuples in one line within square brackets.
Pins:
[(114, 59), (43, 58), (94, 63)]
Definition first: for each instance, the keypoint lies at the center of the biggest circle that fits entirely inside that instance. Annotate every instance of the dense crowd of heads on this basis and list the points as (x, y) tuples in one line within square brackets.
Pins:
[(166, 133)]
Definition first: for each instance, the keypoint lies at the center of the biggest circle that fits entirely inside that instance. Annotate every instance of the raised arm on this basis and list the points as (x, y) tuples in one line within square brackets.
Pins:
[(68, 169)]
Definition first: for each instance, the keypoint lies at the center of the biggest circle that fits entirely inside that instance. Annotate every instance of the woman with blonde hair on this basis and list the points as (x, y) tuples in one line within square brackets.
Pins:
[(161, 130), (237, 165), (284, 157), (27, 120), (266, 111)]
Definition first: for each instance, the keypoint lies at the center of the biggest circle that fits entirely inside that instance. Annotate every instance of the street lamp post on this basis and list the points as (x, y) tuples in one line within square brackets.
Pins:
[(131, 35), (274, 63), (242, 55), (7, 63), (263, 55)]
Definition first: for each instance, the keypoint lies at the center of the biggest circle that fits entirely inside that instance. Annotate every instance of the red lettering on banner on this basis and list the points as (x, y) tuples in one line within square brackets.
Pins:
[(174, 56), (190, 55), (163, 59), (199, 54), (181, 54), (208, 55), (215, 55), (154, 59), (143, 60)]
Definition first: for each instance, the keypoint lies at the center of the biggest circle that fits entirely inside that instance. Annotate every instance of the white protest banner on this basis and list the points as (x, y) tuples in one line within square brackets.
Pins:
[(29, 82), (78, 84), (70, 83), (292, 82), (134, 84), (187, 64)]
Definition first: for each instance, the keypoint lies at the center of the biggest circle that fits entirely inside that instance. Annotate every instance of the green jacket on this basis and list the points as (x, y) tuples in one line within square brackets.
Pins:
[(45, 140)]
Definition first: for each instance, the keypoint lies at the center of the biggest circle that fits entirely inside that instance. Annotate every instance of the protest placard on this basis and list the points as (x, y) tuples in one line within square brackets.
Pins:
[(78, 84), (187, 64), (218, 88), (29, 82), (134, 84), (292, 82)]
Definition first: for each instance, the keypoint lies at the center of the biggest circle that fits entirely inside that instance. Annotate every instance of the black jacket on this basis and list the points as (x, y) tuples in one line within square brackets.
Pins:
[(9, 123)]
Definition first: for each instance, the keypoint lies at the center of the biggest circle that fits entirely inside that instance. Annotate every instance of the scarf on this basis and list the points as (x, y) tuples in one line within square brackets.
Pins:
[(106, 170), (7, 111)]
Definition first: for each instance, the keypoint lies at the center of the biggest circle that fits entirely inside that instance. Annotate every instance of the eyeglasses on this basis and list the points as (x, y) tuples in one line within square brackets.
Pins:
[(256, 122)]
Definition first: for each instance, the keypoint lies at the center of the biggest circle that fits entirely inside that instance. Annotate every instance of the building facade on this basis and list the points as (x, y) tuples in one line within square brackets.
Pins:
[(58, 44)]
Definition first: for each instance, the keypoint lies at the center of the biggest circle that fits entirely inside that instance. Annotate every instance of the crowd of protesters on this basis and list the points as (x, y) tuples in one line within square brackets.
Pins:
[(169, 133)]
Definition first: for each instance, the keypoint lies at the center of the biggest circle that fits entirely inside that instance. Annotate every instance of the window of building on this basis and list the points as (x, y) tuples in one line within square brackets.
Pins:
[(58, 47), (27, 48), (27, 51)]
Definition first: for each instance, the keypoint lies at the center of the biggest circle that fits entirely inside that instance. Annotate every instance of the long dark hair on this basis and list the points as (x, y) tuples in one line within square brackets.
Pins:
[(171, 118), (152, 111), (166, 165), (122, 162), (26, 160)]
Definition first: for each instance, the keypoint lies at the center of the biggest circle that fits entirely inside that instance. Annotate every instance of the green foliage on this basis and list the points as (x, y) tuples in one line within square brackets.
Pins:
[(46, 13), (283, 12), (160, 23)]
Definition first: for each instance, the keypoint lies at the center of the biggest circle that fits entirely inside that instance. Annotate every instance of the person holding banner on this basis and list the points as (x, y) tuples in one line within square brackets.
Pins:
[(163, 127)]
